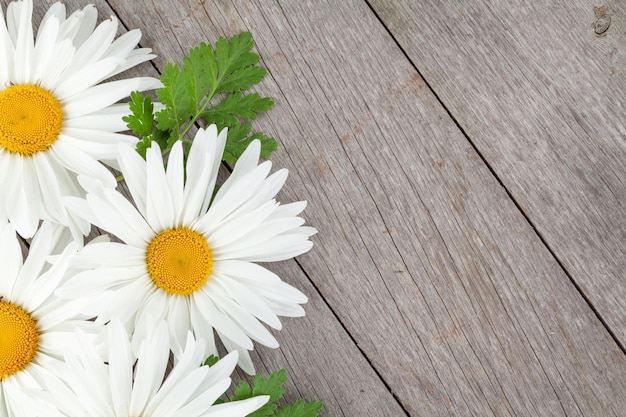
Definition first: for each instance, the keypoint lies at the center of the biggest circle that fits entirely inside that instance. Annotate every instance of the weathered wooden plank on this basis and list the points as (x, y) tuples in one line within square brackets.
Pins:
[(321, 360), (425, 259), (541, 94), (422, 255)]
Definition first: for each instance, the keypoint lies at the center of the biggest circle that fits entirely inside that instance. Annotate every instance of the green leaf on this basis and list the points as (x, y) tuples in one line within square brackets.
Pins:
[(272, 386), (141, 123), (211, 360), (236, 63), (209, 86), (141, 117), (301, 409), (200, 75), (175, 98), (238, 140), (226, 111), (143, 145)]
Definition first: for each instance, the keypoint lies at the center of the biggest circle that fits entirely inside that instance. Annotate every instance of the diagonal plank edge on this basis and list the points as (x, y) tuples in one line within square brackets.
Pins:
[(541, 94), (421, 254), (321, 360)]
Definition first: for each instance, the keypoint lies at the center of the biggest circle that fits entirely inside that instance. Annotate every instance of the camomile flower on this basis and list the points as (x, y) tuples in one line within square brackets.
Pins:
[(55, 121), (128, 386), (35, 325), (188, 257)]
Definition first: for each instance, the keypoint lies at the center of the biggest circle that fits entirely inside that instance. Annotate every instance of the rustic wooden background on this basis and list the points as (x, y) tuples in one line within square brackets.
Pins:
[(465, 164)]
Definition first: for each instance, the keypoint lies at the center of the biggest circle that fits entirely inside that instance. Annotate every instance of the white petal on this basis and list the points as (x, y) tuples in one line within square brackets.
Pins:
[(120, 367), (153, 357), (201, 329), (10, 259), (135, 58), (20, 24), (244, 319), (117, 215), (179, 394), (159, 205), (94, 47), (49, 186), (247, 162), (103, 95), (175, 180), (85, 78), (249, 300), (125, 44), (79, 162), (202, 166), (133, 168), (86, 22), (44, 46), (244, 362), (152, 310), (229, 231), (217, 152), (54, 12), (109, 254), (7, 51), (40, 248), (238, 408), (179, 322), (279, 248), (62, 56), (231, 201), (220, 321), (108, 119), (93, 282)]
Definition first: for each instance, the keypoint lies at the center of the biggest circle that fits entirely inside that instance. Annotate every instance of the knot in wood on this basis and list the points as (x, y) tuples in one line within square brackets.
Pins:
[(602, 24)]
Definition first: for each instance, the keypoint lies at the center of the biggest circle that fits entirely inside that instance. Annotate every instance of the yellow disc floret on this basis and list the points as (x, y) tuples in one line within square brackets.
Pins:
[(179, 261), (18, 339), (30, 119)]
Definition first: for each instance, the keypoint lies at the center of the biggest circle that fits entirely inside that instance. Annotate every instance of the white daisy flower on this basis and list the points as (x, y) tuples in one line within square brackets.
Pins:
[(187, 258), (126, 386), (35, 325), (55, 122)]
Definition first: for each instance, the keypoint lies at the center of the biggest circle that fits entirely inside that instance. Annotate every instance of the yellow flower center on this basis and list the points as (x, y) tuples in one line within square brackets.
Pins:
[(18, 339), (30, 119), (179, 261)]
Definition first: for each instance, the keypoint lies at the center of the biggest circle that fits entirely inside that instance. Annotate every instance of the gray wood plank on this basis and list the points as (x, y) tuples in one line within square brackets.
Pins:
[(421, 254), (321, 360), (541, 94)]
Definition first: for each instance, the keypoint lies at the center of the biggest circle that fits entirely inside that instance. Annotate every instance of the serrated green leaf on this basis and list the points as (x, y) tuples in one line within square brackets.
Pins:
[(272, 386), (143, 145), (301, 409), (141, 117), (238, 140), (175, 98), (235, 53), (211, 360), (200, 73), (189, 93), (242, 391), (161, 137), (236, 63), (235, 105), (241, 79)]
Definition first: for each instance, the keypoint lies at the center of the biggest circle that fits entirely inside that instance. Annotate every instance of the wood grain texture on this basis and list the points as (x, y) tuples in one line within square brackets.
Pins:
[(541, 95), (321, 360), (422, 255)]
